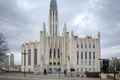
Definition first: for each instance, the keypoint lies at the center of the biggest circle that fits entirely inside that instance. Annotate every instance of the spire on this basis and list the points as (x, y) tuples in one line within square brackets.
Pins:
[(53, 18), (44, 28), (53, 5)]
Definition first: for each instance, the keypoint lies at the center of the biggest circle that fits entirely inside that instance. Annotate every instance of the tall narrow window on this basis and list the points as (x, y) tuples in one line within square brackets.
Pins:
[(89, 45), (81, 45), (77, 57), (81, 69), (24, 57), (58, 53), (93, 55), (54, 53), (81, 55), (85, 69), (50, 55), (89, 55), (35, 56), (29, 57), (77, 45), (93, 45), (85, 45), (90, 62), (85, 55)]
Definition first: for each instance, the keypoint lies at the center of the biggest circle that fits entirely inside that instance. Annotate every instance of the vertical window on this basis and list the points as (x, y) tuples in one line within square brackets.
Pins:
[(89, 55), (85, 69), (81, 69), (93, 45), (90, 69), (85, 45), (90, 45), (81, 55), (93, 62), (35, 56), (81, 62), (69, 58), (24, 57), (81, 45), (93, 55), (29, 57), (58, 53), (77, 57), (85, 55), (89, 62), (50, 55), (77, 45), (54, 53), (93, 69)]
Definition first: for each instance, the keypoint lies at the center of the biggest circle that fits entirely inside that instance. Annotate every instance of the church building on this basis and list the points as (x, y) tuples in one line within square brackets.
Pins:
[(57, 53)]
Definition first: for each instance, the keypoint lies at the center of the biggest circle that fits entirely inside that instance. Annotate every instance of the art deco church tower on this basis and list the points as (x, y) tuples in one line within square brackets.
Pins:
[(53, 19), (57, 53)]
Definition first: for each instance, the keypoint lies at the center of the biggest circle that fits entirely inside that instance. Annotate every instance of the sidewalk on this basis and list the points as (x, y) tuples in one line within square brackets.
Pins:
[(20, 76)]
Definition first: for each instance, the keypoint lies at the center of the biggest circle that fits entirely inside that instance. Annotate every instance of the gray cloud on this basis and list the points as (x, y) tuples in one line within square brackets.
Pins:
[(21, 20), (110, 19)]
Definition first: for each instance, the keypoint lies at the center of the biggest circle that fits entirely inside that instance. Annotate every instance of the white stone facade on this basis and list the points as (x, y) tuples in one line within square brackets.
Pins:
[(54, 52)]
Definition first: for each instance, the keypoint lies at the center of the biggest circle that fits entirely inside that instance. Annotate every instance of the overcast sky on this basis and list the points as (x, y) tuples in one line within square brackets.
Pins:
[(21, 20)]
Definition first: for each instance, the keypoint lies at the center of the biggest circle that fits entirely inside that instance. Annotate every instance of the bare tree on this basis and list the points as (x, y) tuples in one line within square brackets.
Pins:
[(3, 46)]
